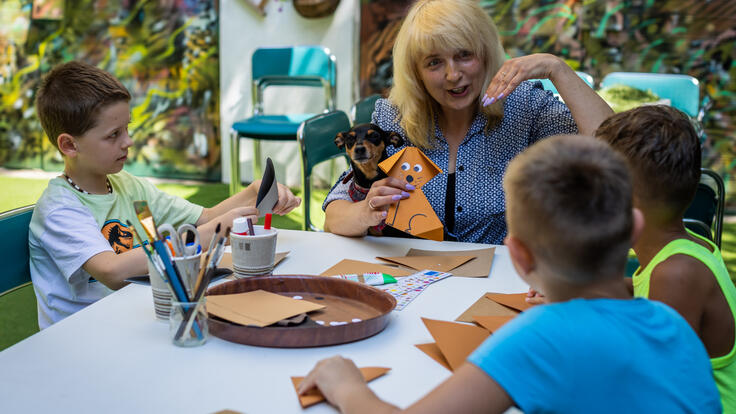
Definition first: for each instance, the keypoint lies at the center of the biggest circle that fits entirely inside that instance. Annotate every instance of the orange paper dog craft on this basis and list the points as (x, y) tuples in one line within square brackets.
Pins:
[(413, 215)]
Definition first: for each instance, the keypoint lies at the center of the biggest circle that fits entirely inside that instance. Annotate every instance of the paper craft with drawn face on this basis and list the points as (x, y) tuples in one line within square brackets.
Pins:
[(413, 215)]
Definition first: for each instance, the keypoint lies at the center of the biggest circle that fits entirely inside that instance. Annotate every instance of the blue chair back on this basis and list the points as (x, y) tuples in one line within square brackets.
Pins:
[(363, 109), (14, 245), (549, 86), (683, 91)]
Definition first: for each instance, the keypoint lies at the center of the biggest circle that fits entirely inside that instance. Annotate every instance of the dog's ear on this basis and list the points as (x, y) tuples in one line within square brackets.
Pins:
[(340, 140), (395, 139)]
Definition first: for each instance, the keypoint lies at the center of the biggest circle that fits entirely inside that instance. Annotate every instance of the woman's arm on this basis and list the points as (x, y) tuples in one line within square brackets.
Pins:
[(348, 218), (586, 106)]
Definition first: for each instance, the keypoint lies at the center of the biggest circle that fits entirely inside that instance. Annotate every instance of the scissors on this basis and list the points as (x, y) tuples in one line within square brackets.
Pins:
[(178, 238)]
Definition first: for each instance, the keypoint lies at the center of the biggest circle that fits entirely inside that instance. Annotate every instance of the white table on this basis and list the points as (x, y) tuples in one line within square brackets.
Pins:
[(113, 356)]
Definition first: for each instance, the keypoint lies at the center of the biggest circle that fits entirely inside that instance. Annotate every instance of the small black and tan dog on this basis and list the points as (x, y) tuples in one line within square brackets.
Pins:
[(366, 145)]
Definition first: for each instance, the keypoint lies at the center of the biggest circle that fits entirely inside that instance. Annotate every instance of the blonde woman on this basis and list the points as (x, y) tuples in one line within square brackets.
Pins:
[(471, 111)]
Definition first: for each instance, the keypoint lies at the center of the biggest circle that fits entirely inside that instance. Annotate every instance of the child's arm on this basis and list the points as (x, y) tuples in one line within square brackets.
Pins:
[(247, 198), (112, 269), (468, 390), (683, 283)]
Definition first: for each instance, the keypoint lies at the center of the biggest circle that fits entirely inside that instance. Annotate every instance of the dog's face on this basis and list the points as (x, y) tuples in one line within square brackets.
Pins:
[(365, 145)]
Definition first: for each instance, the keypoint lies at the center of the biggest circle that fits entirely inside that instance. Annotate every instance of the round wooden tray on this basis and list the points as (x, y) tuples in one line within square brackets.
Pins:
[(344, 301)]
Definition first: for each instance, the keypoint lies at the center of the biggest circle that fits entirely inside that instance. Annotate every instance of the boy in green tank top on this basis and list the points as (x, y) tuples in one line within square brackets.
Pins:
[(678, 267)]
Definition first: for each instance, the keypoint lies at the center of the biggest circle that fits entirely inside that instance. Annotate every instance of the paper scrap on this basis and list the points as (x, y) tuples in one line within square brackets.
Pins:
[(434, 352), (314, 396), (492, 323), (478, 267), (439, 263), (407, 288), (515, 301), (455, 340), (348, 266), (485, 307), (257, 308)]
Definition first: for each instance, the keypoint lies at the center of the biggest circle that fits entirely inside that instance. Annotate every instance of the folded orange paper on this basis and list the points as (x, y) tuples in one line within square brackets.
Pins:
[(257, 308), (455, 340), (347, 266), (480, 266), (516, 301), (485, 307), (314, 396), (439, 263), (413, 215), (492, 323)]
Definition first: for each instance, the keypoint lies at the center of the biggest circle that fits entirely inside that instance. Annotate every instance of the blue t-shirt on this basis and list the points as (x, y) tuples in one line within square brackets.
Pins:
[(603, 356), (530, 113)]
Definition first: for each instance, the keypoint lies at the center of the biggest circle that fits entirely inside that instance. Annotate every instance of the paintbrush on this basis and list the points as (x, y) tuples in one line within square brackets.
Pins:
[(206, 258), (146, 219)]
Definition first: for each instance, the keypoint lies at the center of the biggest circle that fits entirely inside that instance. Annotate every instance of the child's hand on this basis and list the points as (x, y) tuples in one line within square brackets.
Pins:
[(535, 298), (337, 378), (287, 201)]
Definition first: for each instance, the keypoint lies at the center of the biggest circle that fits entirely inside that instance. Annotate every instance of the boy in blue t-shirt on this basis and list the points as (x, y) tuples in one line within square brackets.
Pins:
[(592, 348), (81, 247)]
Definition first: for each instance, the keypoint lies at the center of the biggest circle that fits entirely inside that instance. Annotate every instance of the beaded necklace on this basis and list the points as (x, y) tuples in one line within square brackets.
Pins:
[(78, 188)]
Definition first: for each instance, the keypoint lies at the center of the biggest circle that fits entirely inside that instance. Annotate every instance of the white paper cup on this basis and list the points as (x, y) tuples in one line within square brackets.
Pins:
[(161, 294), (254, 255)]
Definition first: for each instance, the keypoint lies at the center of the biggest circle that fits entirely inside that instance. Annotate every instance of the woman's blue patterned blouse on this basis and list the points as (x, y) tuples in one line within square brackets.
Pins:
[(530, 114)]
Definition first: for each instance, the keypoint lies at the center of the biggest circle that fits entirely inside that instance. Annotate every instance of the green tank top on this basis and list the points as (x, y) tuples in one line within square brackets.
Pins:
[(724, 367)]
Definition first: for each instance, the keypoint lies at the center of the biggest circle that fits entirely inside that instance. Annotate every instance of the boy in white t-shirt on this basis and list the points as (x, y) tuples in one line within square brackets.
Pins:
[(80, 246)]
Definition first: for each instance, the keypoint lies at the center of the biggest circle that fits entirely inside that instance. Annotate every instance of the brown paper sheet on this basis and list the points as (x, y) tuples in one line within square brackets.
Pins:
[(257, 308), (478, 267), (455, 340), (439, 263), (314, 396), (492, 323), (227, 259), (485, 307), (413, 215), (516, 301), (348, 266), (434, 352)]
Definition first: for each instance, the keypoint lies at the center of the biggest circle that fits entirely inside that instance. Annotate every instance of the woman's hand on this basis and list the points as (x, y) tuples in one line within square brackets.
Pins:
[(382, 194), (516, 70), (337, 378)]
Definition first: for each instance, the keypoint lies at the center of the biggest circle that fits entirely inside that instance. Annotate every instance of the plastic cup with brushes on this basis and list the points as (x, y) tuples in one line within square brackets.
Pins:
[(253, 247)]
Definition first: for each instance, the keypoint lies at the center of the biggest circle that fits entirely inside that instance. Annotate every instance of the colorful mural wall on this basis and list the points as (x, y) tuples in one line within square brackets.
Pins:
[(164, 52), (694, 37)]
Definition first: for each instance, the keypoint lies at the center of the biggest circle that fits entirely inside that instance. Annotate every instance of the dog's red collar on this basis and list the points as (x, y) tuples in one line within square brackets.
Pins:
[(356, 192)]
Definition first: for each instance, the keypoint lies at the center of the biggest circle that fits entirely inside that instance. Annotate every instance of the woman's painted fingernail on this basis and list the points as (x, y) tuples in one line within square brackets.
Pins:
[(500, 96), (492, 100), (404, 194), (485, 97), (410, 187), (384, 214), (396, 197), (486, 101)]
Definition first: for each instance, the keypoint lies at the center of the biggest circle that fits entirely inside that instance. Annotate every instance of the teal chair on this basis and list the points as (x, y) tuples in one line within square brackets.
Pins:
[(311, 66), (362, 111), (549, 86), (18, 312), (316, 138), (683, 91)]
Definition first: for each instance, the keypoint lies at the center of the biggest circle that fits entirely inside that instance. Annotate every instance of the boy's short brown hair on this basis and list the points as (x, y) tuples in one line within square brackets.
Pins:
[(569, 200), (663, 151), (72, 94)]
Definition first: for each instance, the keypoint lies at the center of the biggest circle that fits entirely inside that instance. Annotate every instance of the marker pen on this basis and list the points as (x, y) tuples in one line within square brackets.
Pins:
[(372, 278)]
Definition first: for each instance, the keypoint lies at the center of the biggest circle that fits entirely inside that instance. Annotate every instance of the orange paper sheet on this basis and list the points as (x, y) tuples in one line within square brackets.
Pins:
[(348, 266), (515, 301), (485, 307), (439, 263), (478, 267), (413, 215), (434, 352), (492, 323), (314, 396), (455, 340), (257, 308)]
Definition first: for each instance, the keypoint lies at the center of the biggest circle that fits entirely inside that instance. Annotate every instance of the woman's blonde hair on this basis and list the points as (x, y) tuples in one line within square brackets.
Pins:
[(434, 25)]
